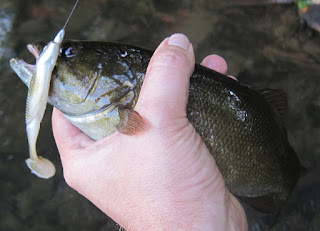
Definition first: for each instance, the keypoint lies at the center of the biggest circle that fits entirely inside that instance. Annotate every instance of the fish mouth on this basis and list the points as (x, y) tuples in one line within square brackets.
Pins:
[(24, 70), (121, 95)]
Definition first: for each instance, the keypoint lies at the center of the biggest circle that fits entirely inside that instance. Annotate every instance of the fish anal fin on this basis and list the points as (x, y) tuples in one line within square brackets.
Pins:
[(268, 203), (130, 122), (276, 98)]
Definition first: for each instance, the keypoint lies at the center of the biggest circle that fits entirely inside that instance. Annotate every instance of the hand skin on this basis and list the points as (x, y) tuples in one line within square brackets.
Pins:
[(163, 178)]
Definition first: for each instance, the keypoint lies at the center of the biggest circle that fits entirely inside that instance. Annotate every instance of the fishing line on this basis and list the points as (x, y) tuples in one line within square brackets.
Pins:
[(70, 14)]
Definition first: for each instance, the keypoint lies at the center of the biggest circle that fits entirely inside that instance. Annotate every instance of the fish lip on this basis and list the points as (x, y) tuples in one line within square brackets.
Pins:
[(24, 70)]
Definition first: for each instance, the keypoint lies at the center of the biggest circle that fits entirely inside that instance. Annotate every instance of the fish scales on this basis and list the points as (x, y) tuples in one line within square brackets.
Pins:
[(241, 127), (244, 134)]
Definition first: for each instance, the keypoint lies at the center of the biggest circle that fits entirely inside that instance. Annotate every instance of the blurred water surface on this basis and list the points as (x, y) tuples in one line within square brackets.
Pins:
[(265, 46)]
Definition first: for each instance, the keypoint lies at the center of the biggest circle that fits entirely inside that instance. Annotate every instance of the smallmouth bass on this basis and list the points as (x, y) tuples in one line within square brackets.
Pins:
[(97, 84)]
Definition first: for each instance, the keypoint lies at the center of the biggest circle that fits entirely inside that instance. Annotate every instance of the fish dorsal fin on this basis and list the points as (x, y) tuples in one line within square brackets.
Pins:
[(276, 98)]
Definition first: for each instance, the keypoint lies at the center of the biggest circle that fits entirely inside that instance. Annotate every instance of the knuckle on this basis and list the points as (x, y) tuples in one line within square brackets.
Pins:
[(169, 59), (68, 177)]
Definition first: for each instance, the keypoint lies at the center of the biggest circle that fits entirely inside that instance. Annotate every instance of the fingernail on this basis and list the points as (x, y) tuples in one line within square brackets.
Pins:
[(179, 40)]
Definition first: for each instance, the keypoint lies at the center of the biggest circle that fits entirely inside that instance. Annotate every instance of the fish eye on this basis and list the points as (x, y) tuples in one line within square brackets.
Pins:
[(68, 52)]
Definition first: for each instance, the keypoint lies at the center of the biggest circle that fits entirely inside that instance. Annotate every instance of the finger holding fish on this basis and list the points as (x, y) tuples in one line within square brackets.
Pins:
[(217, 63), (226, 114), (97, 85), (79, 140)]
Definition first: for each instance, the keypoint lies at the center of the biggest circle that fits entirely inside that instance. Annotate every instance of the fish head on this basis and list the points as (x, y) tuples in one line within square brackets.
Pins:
[(90, 83)]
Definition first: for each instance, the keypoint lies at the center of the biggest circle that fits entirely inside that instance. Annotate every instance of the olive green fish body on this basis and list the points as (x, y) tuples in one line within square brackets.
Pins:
[(94, 81), (244, 133)]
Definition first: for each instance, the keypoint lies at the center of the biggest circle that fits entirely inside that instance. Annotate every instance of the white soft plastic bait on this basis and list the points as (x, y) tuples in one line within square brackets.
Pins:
[(37, 100)]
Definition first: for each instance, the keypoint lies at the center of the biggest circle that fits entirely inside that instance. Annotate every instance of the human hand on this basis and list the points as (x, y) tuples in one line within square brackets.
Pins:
[(163, 178)]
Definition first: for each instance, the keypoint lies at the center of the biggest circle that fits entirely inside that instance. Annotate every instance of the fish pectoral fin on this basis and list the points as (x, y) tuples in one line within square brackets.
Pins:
[(130, 122), (266, 204), (276, 98)]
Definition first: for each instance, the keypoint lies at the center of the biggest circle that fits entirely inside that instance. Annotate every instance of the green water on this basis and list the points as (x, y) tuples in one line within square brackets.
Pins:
[(265, 46)]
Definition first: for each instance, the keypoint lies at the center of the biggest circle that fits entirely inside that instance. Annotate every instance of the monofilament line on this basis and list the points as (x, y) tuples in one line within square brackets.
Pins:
[(70, 14)]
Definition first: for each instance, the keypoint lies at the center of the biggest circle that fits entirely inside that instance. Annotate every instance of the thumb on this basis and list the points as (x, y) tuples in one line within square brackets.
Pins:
[(67, 136), (165, 89)]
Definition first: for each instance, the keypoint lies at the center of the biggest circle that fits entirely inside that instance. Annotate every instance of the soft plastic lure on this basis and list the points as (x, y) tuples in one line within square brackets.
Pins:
[(37, 100)]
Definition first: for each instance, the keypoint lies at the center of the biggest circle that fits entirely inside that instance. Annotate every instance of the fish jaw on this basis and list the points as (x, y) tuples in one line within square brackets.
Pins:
[(24, 70)]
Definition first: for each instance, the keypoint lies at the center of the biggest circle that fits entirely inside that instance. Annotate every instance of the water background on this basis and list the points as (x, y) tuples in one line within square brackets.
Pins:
[(264, 45)]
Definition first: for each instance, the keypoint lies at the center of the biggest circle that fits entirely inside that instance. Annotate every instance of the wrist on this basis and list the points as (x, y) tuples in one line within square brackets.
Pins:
[(201, 215), (204, 213)]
